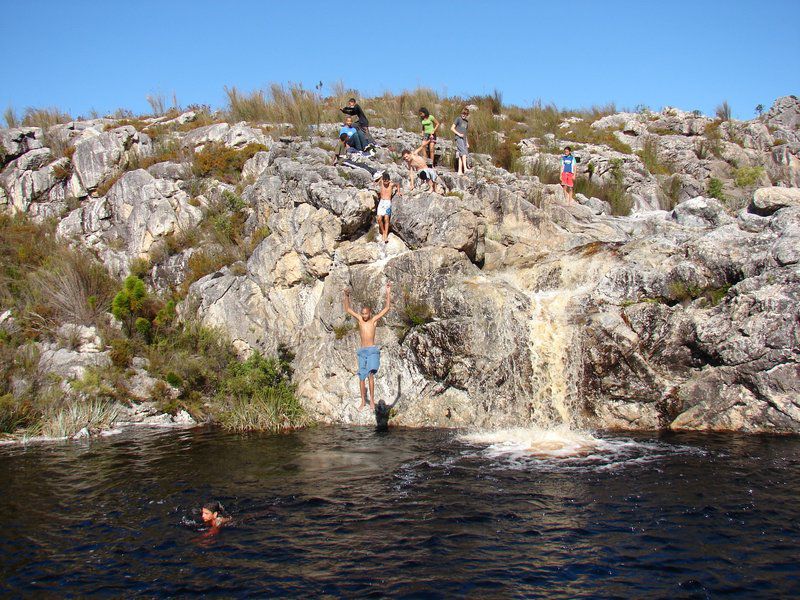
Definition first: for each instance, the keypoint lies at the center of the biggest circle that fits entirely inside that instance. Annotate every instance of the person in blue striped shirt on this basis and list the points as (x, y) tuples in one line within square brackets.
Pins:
[(568, 169)]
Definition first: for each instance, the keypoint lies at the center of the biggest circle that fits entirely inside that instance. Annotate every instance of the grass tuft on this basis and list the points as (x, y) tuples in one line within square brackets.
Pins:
[(257, 395)]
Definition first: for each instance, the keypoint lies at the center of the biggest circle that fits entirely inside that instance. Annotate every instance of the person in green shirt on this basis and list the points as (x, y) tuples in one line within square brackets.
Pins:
[(429, 128)]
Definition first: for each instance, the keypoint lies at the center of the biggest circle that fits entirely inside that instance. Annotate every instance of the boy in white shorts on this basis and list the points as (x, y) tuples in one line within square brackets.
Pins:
[(386, 191)]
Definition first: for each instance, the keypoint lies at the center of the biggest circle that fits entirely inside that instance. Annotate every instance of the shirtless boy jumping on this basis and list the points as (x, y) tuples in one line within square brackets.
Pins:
[(386, 191), (369, 355)]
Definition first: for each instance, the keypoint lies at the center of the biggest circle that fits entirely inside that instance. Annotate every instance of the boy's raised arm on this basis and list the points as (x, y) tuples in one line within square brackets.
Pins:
[(347, 308)]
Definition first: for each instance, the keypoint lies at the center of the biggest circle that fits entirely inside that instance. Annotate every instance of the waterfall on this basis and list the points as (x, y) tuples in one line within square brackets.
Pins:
[(555, 361)]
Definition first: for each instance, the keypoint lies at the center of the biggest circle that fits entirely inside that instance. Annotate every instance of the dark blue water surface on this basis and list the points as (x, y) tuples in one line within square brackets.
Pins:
[(337, 512)]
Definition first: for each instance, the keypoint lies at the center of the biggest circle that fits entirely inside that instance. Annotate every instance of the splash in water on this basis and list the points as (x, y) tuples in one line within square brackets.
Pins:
[(555, 442)]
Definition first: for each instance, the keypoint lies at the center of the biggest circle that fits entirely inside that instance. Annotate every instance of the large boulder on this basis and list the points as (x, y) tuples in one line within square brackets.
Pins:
[(433, 220), (97, 157), (17, 141), (701, 212), (784, 118), (233, 136), (767, 201)]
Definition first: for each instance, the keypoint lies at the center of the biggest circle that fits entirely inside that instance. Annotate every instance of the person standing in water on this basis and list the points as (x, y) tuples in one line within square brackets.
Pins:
[(369, 355), (568, 168)]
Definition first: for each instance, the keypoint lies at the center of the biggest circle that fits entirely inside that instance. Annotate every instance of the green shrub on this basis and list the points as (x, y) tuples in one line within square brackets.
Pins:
[(712, 145), (194, 355), (15, 414), (174, 379), (613, 192), (747, 176), (140, 267), (130, 302), (414, 312), (257, 394), (650, 158), (94, 414), (73, 286), (121, 352), (220, 162), (143, 327), (714, 189)]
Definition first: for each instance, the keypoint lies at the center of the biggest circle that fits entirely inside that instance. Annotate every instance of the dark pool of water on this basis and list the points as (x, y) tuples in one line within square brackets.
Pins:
[(410, 513)]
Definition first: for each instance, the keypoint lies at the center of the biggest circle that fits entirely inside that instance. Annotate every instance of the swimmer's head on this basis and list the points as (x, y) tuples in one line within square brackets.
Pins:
[(385, 177), (366, 313), (211, 511)]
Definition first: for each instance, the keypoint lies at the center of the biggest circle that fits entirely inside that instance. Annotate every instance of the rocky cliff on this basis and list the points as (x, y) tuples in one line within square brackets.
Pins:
[(512, 306)]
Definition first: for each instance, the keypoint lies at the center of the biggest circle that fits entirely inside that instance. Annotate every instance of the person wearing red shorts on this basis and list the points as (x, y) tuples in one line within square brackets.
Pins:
[(568, 168)]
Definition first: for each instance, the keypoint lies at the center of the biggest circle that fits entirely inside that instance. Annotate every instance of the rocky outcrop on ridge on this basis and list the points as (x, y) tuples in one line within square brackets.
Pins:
[(512, 306)]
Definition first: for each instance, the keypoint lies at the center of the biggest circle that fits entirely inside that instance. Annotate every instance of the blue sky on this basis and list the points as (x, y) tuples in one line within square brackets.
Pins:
[(90, 54)]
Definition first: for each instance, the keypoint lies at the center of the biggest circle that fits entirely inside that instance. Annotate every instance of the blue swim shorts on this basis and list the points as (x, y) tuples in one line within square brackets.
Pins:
[(369, 361)]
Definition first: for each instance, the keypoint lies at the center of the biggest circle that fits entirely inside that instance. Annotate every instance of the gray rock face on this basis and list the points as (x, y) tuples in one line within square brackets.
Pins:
[(701, 212), (784, 116), (767, 201), (26, 179), (511, 305), (17, 141), (97, 157), (430, 220), (125, 224), (234, 136), (72, 363)]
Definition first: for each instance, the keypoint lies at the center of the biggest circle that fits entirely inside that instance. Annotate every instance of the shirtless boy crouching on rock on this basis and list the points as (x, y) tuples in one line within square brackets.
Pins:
[(369, 355)]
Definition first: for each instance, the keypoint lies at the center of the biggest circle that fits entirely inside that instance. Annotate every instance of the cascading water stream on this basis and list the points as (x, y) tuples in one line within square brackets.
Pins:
[(555, 425)]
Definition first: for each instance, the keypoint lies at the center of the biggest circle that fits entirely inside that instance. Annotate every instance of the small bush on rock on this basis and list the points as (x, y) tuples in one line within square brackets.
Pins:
[(745, 177), (220, 162), (715, 189)]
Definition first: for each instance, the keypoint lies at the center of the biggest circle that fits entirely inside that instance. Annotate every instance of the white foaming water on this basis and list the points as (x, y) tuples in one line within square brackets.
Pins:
[(562, 447), (556, 442)]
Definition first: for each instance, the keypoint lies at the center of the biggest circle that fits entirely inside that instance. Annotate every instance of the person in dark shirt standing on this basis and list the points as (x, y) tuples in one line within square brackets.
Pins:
[(354, 110), (459, 129)]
